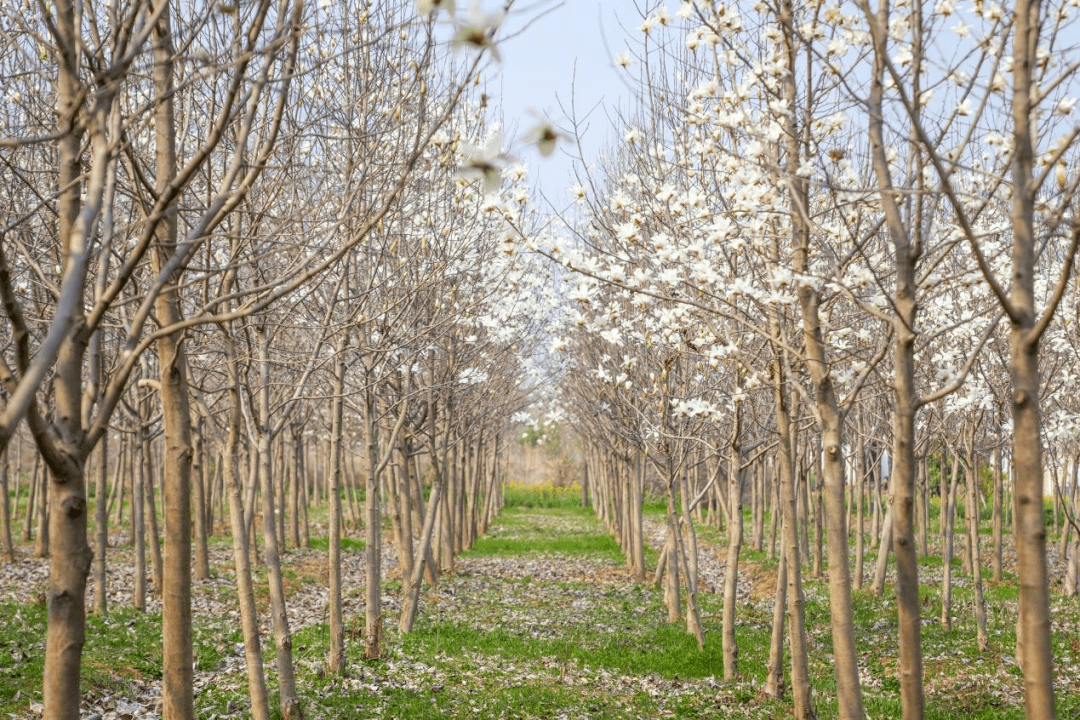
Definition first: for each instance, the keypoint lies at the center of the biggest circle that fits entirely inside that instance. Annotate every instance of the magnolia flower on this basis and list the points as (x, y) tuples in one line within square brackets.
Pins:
[(623, 59), (612, 335), (484, 162), (426, 7), (670, 276), (472, 376), (545, 136), (476, 30), (1065, 106)]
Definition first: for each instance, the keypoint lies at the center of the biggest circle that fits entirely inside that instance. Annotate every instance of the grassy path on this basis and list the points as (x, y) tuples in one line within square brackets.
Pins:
[(539, 620)]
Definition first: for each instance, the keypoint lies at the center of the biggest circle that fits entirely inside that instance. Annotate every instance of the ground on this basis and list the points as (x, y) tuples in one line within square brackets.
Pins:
[(539, 620)]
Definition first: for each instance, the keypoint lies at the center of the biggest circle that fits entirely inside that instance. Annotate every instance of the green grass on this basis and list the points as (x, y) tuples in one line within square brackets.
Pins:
[(351, 544), (123, 645), (590, 643), (526, 531), (541, 496)]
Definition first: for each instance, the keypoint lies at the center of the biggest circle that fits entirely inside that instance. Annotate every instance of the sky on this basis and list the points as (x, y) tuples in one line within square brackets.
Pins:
[(563, 62)]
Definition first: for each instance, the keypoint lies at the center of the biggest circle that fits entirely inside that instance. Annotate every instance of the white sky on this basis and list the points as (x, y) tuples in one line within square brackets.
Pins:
[(538, 73)]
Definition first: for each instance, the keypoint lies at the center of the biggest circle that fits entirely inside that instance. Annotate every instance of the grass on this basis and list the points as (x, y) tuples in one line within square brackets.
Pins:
[(348, 544), (120, 647), (528, 531), (516, 495), (561, 631)]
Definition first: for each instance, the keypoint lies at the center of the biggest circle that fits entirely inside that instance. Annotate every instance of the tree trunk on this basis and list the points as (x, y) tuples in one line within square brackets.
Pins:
[(245, 587), (69, 566), (198, 477), (373, 628), (774, 675), (881, 567), (5, 512), (175, 585), (735, 537), (998, 497), (36, 479), (150, 514), (973, 540), (671, 571), (948, 506), (138, 522), (290, 703), (41, 544), (411, 591), (336, 660), (860, 521), (688, 551), (101, 521)]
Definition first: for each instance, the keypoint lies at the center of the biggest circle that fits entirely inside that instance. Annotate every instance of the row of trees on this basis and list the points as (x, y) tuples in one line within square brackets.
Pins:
[(827, 224), (239, 241)]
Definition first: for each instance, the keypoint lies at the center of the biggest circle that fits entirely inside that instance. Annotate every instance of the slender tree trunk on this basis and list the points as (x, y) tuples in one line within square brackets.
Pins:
[(336, 660), (41, 545), (774, 511), (973, 540), (688, 551), (175, 585), (282, 502), (948, 505), (125, 473), (774, 675), (735, 537), (198, 473), (884, 546), (101, 520), (245, 587), (998, 497), (138, 522), (819, 515), (637, 529), (150, 515), (757, 540), (671, 570), (800, 676), (411, 592), (922, 496), (36, 479), (373, 623), (290, 702), (5, 511), (860, 521)]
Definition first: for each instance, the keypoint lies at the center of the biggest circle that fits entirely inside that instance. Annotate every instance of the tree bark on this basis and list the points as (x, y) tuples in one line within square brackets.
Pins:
[(948, 507), (336, 660), (138, 522), (735, 537), (175, 585), (973, 541), (101, 520), (245, 587), (373, 629), (5, 510), (198, 472), (289, 701), (774, 675)]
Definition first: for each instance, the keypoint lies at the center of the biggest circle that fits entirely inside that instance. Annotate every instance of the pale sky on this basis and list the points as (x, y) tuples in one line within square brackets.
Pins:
[(538, 73)]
